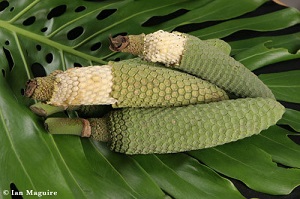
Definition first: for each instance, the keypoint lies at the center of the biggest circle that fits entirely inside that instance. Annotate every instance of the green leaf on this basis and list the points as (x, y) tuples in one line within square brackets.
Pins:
[(284, 85), (211, 11), (34, 42), (87, 180), (275, 142), (240, 160), (167, 179), (189, 178), (291, 118), (259, 56), (284, 18), (131, 171), (16, 152), (290, 42), (198, 175)]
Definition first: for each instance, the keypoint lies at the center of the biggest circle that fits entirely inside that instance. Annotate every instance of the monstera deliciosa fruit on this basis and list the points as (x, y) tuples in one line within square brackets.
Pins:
[(38, 37)]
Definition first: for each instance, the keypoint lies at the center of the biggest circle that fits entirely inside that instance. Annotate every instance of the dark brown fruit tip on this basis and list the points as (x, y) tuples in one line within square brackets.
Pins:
[(30, 87), (118, 43)]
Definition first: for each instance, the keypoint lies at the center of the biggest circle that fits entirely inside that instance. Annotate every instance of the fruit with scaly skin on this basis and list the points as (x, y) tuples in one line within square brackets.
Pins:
[(176, 129), (129, 83), (209, 60)]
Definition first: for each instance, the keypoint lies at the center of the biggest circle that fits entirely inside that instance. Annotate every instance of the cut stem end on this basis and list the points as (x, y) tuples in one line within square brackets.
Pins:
[(94, 127), (68, 126)]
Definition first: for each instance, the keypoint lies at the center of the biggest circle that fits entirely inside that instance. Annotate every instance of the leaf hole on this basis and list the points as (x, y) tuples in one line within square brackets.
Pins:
[(96, 46), (3, 72), (155, 20), (75, 33), (49, 58), (38, 70), (77, 65), (295, 138), (44, 29), (22, 91), (38, 47), (57, 11), (196, 26), (265, 8), (17, 193), (3, 5), (80, 8), (105, 13), (247, 34), (12, 9), (282, 165), (9, 58), (117, 59), (7, 42), (29, 21)]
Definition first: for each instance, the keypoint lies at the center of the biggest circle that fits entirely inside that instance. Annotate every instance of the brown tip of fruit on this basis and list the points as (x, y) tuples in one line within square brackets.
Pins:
[(30, 87), (118, 43)]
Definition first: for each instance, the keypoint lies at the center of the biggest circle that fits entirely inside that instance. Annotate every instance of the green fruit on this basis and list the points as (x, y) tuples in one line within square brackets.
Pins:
[(208, 60), (176, 129), (137, 83)]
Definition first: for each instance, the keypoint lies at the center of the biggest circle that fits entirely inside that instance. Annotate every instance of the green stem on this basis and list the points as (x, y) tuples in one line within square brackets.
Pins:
[(68, 126), (95, 128), (45, 110)]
